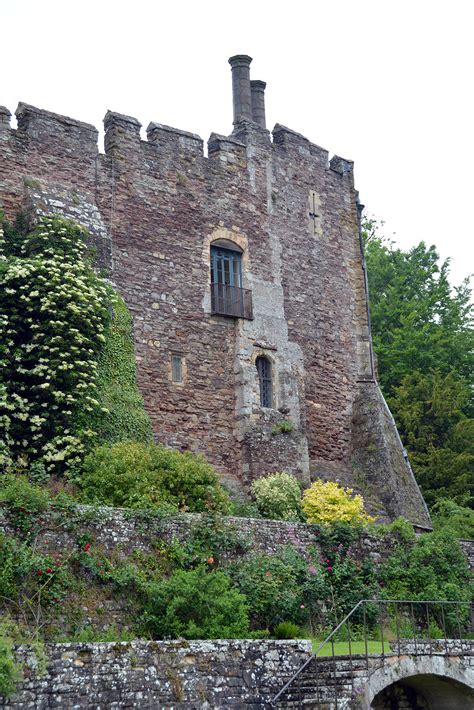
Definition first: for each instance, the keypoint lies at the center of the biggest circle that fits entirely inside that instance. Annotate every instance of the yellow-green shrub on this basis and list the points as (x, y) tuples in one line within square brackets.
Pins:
[(328, 502)]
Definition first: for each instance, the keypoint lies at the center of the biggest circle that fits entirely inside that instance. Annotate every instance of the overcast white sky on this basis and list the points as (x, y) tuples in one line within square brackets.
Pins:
[(388, 84)]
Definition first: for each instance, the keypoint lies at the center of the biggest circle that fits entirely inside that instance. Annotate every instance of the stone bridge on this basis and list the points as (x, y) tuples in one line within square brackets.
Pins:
[(435, 675)]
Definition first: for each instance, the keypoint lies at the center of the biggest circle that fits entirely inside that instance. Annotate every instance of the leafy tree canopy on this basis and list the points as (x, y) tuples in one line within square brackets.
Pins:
[(423, 337)]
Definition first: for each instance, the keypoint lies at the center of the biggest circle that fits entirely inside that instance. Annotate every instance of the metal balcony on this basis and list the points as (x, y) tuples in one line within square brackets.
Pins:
[(231, 301)]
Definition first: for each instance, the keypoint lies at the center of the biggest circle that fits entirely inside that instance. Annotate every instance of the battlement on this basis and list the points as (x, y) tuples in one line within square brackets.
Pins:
[(38, 127)]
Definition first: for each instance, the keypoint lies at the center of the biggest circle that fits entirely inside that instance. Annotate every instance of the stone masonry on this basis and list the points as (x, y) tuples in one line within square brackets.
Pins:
[(154, 207), (148, 674), (186, 675)]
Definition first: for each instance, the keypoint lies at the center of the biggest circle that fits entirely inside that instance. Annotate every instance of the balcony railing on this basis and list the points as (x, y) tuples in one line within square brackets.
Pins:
[(231, 301)]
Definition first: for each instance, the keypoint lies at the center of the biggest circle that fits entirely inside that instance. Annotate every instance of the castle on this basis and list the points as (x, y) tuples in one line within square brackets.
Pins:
[(245, 276)]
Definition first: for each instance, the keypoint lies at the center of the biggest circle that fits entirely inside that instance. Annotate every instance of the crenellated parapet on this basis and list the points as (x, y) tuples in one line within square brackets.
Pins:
[(54, 136)]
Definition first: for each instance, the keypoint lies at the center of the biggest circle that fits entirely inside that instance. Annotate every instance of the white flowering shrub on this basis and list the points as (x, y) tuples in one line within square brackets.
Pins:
[(53, 315), (278, 496)]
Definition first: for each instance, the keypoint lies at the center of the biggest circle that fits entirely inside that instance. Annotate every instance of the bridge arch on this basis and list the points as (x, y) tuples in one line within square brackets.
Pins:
[(442, 682)]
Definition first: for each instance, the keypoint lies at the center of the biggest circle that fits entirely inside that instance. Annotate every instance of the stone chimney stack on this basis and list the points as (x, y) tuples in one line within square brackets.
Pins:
[(258, 102), (241, 92)]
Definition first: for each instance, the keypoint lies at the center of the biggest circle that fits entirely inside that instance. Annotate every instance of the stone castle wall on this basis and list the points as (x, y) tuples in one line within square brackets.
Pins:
[(153, 209)]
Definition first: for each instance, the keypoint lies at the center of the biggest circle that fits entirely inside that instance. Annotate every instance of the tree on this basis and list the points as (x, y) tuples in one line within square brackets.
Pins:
[(429, 408), (423, 337)]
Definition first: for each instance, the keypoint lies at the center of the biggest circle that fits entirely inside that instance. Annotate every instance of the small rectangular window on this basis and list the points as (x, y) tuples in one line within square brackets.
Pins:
[(176, 368), (264, 369)]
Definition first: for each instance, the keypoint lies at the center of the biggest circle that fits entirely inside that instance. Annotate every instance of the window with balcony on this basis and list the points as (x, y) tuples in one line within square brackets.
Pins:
[(228, 298)]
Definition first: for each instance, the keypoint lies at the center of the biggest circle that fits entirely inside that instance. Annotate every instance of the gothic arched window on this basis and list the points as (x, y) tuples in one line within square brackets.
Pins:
[(264, 369)]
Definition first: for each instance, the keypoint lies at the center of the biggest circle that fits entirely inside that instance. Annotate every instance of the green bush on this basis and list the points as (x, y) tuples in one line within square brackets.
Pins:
[(196, 604), (24, 501), (9, 565), (433, 567), (287, 630), (280, 587), (10, 672), (211, 538), (400, 530), (32, 578), (135, 475), (19, 494), (278, 496), (458, 519)]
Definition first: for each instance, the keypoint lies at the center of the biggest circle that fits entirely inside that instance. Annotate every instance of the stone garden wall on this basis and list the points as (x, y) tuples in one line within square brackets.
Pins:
[(150, 674), (125, 531)]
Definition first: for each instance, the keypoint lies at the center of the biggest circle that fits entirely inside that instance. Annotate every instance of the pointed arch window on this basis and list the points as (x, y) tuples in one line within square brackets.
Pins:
[(264, 369)]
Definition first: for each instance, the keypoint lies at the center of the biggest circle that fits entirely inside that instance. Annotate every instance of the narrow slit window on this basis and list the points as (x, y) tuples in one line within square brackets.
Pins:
[(264, 369), (177, 368)]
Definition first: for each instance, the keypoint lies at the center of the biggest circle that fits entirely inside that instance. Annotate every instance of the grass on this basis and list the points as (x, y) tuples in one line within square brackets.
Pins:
[(341, 648)]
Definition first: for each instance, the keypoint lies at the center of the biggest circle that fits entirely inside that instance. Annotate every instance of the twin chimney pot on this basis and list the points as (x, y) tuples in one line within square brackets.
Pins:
[(248, 96)]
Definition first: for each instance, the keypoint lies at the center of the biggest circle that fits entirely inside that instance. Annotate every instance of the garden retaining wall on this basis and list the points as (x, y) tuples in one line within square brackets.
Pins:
[(149, 674), (125, 531)]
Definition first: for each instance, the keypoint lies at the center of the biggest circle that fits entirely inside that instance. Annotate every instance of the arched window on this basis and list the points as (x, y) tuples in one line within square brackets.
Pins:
[(264, 369)]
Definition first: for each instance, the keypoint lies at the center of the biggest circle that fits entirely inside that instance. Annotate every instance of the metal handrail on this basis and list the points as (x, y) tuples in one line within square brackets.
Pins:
[(331, 636)]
